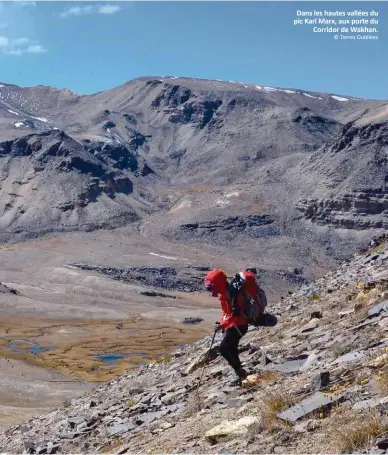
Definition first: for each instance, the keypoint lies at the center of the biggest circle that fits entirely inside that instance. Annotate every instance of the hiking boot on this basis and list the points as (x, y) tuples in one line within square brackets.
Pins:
[(235, 382), (240, 375)]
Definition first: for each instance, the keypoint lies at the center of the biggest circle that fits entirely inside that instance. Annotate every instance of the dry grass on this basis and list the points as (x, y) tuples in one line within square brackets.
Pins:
[(382, 381), (357, 433), (338, 349), (193, 405), (115, 443), (271, 406), (165, 360)]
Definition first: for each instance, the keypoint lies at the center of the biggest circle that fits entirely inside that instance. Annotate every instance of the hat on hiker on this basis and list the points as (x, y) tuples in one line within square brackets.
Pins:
[(252, 269)]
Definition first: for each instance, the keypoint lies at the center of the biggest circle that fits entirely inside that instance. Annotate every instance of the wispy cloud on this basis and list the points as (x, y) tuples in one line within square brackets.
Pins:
[(90, 9), (109, 9), (19, 46)]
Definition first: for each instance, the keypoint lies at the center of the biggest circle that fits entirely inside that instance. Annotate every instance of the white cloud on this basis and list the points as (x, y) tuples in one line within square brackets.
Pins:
[(108, 9), (3, 42), (36, 49), (90, 9), (19, 46), (20, 41)]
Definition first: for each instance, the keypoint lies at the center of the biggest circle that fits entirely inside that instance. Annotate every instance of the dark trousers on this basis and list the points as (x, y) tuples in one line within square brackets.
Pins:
[(229, 345)]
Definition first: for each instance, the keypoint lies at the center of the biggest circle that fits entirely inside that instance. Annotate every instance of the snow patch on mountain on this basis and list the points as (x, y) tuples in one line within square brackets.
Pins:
[(339, 98), (161, 256), (42, 119)]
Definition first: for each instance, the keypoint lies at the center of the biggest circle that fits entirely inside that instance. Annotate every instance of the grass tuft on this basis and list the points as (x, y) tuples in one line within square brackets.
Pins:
[(354, 436), (271, 406)]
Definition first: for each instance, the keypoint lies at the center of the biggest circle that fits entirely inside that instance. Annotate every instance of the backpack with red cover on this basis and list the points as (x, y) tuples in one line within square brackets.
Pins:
[(245, 285)]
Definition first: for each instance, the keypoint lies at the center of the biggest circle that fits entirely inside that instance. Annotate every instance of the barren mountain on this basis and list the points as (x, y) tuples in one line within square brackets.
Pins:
[(289, 177)]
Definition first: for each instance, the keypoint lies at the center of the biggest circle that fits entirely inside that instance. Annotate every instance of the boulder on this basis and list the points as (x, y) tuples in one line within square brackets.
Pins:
[(320, 381), (251, 380), (232, 428), (310, 326), (192, 320)]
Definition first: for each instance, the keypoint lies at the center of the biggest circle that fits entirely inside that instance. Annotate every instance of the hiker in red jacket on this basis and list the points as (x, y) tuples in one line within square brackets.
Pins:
[(233, 324)]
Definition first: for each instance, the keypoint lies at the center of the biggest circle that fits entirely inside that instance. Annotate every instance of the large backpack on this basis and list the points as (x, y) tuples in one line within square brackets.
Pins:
[(250, 308)]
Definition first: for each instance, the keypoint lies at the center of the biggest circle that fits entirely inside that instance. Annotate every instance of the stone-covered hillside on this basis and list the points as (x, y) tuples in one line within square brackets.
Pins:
[(320, 384)]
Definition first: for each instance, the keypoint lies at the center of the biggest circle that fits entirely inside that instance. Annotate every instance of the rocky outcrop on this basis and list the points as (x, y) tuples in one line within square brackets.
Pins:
[(316, 124), (350, 174), (171, 96), (250, 224), (189, 278), (113, 154), (361, 210), (89, 185), (7, 290), (198, 113), (353, 133)]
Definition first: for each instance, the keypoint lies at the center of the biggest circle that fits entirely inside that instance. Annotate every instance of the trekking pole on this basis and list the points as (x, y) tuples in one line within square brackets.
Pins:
[(207, 357)]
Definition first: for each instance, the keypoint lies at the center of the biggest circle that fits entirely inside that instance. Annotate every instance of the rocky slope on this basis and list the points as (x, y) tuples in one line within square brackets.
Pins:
[(320, 384), (50, 181), (351, 179)]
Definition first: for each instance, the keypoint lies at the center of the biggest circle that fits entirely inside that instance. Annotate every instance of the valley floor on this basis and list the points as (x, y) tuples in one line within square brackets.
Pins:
[(61, 319)]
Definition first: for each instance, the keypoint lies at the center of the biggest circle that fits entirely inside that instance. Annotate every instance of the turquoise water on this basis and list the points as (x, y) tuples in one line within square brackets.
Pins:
[(34, 348), (112, 359)]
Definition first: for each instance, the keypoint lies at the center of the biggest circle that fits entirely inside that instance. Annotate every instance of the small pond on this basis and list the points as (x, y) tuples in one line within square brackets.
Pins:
[(20, 346), (112, 359)]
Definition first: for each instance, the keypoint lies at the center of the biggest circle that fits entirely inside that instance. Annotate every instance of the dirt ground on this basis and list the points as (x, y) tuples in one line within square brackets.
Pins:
[(62, 319)]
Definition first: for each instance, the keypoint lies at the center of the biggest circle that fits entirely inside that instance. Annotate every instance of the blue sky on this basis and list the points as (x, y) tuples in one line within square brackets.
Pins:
[(93, 46)]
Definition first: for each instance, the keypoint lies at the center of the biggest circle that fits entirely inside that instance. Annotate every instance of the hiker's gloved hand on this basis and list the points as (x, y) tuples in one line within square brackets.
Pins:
[(217, 327)]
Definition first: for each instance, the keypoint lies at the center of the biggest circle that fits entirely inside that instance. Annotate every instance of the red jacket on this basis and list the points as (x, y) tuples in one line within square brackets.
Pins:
[(216, 281)]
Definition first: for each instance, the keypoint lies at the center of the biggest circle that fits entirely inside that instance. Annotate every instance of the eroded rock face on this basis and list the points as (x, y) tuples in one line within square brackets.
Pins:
[(115, 155), (233, 224), (199, 113), (319, 125), (171, 96), (183, 279), (54, 171), (361, 210), (352, 169)]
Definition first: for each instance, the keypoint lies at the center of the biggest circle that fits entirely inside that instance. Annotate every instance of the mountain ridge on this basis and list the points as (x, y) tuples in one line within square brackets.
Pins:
[(217, 155), (156, 77)]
